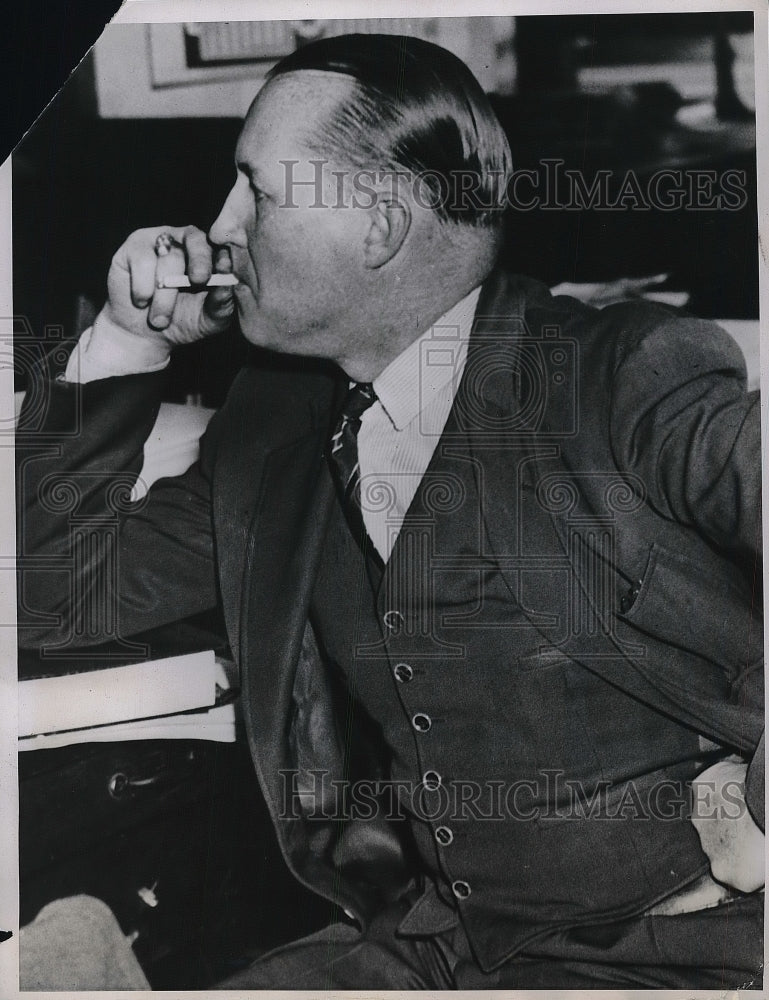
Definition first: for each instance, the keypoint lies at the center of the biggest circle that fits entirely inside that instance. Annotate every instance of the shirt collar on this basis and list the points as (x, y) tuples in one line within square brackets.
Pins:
[(412, 380)]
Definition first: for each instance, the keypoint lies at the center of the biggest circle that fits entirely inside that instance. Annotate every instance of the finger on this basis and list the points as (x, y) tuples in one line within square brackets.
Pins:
[(164, 299), (141, 271), (197, 250), (139, 258), (219, 305), (222, 260)]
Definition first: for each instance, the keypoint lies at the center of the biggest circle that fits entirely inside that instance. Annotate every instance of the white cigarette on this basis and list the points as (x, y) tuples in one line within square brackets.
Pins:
[(182, 281)]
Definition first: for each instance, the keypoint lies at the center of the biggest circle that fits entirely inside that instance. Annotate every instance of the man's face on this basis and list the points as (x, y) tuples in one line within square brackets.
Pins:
[(299, 265)]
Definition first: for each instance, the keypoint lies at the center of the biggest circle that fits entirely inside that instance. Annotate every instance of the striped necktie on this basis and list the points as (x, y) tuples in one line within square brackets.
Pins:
[(344, 462)]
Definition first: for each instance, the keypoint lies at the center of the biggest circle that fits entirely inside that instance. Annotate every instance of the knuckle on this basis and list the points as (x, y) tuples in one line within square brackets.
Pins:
[(148, 234)]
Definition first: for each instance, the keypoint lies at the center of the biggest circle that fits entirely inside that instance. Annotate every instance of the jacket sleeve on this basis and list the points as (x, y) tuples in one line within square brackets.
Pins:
[(94, 566), (682, 420)]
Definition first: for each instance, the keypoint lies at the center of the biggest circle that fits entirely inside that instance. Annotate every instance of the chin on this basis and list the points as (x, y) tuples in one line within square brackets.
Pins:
[(262, 334), (255, 334)]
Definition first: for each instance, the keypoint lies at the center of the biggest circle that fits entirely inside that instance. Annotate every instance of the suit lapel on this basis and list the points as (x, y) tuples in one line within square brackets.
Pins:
[(284, 547), (262, 421), (287, 504), (496, 416)]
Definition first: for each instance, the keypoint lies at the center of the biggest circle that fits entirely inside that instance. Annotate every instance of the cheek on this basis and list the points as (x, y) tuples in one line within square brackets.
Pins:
[(301, 259), (284, 255), (274, 246)]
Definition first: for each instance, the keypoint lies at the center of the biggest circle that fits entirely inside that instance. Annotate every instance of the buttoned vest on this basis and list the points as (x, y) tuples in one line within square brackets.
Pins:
[(538, 795)]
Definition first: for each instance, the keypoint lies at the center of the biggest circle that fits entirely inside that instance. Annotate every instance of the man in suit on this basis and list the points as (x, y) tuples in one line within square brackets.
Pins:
[(486, 557)]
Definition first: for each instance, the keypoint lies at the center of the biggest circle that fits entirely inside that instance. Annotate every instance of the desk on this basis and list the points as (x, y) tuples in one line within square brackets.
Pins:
[(199, 842), (194, 836)]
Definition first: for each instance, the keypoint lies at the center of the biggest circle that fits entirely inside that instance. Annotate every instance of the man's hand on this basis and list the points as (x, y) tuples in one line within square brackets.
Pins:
[(728, 833), (138, 306)]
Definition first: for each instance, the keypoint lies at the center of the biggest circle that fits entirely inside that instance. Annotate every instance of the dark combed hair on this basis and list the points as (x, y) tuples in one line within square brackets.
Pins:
[(415, 108)]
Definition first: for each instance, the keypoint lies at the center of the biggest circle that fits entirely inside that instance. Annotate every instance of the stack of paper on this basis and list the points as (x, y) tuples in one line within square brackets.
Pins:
[(190, 696)]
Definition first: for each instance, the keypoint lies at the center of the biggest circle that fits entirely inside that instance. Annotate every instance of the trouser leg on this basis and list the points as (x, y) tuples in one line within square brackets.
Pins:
[(719, 948), (341, 957)]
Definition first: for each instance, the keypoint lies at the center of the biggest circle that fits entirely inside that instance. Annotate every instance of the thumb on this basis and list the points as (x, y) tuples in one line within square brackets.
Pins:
[(219, 304)]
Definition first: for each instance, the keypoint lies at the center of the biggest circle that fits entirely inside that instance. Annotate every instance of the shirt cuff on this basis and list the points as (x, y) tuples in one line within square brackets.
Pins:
[(106, 350)]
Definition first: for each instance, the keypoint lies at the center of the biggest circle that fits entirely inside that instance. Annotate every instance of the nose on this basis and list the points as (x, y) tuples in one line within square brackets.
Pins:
[(229, 227)]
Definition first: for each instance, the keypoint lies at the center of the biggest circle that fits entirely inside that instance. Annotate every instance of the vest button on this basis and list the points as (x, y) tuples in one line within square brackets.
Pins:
[(392, 620), (461, 889), (403, 672), (432, 781), (444, 835), (421, 722)]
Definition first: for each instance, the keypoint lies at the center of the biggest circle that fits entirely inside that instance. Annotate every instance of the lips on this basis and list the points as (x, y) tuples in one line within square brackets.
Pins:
[(243, 272), (243, 292)]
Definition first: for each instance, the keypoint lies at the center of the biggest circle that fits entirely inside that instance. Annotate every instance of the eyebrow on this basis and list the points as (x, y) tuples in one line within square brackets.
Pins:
[(245, 167)]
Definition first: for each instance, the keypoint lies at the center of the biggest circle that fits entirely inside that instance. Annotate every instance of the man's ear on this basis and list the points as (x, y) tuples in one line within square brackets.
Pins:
[(390, 222)]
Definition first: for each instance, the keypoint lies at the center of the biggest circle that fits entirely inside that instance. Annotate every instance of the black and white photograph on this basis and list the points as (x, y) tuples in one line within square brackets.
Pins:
[(388, 487)]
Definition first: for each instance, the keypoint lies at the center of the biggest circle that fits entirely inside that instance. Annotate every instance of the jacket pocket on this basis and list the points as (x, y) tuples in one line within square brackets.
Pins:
[(698, 607)]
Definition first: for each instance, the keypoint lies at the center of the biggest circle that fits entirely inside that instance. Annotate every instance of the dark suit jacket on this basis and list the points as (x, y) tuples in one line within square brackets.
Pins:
[(629, 414)]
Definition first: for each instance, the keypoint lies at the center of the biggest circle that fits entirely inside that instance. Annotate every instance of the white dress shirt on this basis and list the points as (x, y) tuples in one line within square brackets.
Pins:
[(106, 350), (398, 433)]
